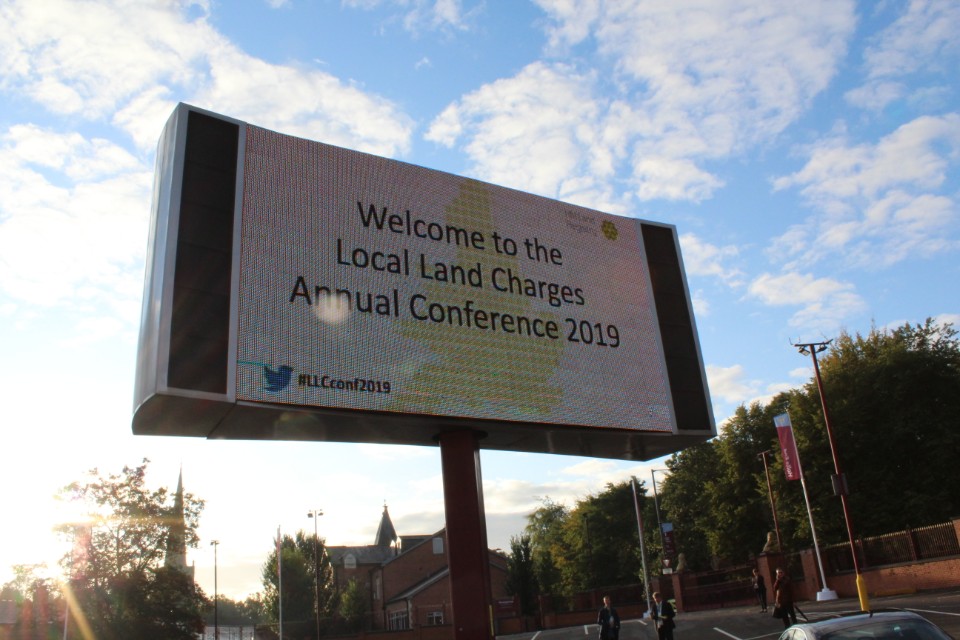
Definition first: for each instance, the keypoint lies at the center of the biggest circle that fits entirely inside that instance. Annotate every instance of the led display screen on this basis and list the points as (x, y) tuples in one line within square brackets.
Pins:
[(371, 284), (301, 291)]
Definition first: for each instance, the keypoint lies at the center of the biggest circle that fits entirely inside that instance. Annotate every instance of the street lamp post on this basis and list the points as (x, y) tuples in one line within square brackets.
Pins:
[(839, 481), (315, 514), (773, 502), (656, 508), (216, 604)]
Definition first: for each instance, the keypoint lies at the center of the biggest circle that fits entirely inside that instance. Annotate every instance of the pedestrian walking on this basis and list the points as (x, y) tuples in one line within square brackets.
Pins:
[(760, 588), (663, 615), (609, 621), (783, 599)]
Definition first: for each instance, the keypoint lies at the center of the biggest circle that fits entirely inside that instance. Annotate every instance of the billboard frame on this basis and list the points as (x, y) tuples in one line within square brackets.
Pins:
[(186, 387)]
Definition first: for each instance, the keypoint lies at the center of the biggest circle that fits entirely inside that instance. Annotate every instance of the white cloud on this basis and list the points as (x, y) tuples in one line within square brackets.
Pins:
[(689, 85), (734, 388), (952, 318), (729, 383), (662, 178), (74, 207), (531, 131), (422, 15), (923, 39), (132, 61), (88, 58), (701, 258), (825, 303), (875, 95), (79, 246), (308, 103), (591, 468), (802, 373), (701, 306), (877, 203)]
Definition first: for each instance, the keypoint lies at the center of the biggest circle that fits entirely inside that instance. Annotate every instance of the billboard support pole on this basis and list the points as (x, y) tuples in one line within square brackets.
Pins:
[(467, 552)]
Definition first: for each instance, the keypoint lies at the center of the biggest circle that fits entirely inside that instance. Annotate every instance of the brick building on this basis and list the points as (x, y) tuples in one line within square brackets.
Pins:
[(406, 578)]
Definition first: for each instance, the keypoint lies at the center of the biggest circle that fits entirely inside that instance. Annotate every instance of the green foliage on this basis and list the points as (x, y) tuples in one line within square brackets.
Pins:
[(685, 501), (521, 577), (601, 540), (38, 599), (300, 567), (129, 524), (544, 529), (158, 604), (893, 398), (894, 401), (353, 606), (26, 582), (593, 545), (236, 613), (117, 577)]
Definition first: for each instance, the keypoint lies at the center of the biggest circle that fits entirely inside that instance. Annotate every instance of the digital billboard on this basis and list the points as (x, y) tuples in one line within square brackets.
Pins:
[(301, 290)]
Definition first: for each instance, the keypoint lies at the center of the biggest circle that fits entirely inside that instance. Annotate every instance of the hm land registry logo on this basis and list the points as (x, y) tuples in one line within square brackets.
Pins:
[(609, 230), (274, 380)]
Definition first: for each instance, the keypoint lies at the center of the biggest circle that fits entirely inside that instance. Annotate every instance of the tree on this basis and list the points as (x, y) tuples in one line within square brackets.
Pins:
[(738, 491), (521, 577), (116, 570), (163, 603), (38, 598), (299, 585), (600, 542), (893, 398), (235, 612), (544, 527), (353, 606), (593, 545), (689, 505)]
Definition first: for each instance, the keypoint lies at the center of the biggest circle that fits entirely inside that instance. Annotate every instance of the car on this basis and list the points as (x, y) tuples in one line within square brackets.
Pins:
[(880, 625)]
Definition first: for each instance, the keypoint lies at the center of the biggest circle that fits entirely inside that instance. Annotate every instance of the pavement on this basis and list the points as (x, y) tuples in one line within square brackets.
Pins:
[(747, 623)]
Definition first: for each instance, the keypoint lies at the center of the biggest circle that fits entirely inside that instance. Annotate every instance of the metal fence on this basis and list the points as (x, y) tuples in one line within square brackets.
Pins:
[(910, 545), (716, 589)]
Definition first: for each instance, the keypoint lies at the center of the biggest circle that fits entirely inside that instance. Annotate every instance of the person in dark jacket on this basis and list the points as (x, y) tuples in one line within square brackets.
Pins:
[(783, 598), (760, 588), (663, 615), (609, 621)]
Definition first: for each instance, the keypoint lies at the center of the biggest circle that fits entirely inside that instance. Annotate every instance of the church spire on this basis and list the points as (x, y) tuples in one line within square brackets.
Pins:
[(386, 534), (176, 552)]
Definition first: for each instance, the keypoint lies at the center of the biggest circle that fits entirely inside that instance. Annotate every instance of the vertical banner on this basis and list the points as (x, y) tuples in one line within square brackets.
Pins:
[(788, 446), (669, 546)]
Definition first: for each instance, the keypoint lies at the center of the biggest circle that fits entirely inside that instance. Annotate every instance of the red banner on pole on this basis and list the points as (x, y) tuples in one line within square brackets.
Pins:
[(788, 446)]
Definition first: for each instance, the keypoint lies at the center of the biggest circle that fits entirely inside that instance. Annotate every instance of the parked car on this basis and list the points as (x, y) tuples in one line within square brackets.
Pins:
[(879, 625)]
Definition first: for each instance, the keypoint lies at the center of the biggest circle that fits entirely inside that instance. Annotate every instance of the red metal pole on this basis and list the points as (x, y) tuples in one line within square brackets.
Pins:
[(467, 550), (840, 482)]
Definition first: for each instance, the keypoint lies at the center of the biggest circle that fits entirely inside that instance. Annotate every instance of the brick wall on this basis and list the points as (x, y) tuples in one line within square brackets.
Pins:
[(412, 567)]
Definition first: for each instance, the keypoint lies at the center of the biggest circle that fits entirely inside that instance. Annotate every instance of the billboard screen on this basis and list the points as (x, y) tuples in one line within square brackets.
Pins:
[(397, 298)]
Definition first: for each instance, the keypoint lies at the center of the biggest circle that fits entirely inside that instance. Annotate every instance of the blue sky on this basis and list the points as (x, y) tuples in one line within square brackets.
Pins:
[(808, 154)]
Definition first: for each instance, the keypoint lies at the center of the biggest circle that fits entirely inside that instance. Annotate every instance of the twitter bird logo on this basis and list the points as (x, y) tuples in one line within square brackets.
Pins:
[(276, 380)]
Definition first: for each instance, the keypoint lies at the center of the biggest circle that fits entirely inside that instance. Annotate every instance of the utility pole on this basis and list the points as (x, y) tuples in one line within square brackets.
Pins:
[(643, 552), (656, 508), (839, 480), (216, 604), (315, 514), (773, 503)]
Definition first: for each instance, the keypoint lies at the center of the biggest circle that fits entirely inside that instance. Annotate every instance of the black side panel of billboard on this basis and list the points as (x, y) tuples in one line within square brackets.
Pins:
[(676, 330), (200, 321)]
